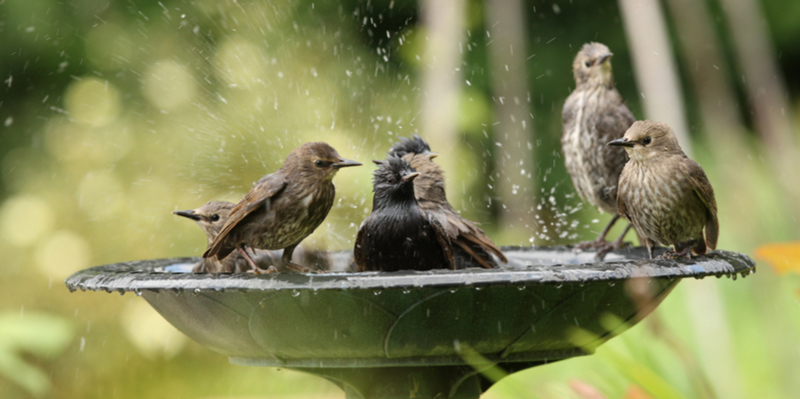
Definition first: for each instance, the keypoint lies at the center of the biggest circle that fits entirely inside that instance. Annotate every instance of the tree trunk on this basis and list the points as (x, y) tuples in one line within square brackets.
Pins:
[(513, 132)]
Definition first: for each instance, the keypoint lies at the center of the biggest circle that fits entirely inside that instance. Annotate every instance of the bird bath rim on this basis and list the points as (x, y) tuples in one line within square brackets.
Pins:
[(137, 276)]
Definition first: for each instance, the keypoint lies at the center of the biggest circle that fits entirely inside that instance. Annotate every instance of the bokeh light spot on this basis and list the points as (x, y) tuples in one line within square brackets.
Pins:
[(100, 194), (240, 63), (62, 253), (149, 332), (169, 85), (24, 219), (92, 101)]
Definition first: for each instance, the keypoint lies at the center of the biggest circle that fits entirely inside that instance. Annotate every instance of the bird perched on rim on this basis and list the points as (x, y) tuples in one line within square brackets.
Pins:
[(398, 235), (664, 194), (211, 217), (470, 243), (593, 115), (283, 207)]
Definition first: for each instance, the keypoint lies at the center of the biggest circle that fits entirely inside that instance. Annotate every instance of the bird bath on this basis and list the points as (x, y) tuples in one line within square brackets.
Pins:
[(412, 334)]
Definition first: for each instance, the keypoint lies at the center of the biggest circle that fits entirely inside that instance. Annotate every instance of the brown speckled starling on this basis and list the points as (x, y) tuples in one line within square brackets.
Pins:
[(593, 115), (471, 246), (398, 235), (664, 194), (211, 217), (283, 207)]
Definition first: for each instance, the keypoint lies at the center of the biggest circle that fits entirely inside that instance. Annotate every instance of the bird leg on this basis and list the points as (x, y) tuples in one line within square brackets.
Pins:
[(287, 260), (679, 252), (615, 245), (256, 269), (600, 242)]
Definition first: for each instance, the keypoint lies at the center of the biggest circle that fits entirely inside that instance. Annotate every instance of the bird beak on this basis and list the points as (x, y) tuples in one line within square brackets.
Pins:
[(409, 177), (188, 214), (603, 58), (343, 163), (431, 155), (623, 142), (377, 162)]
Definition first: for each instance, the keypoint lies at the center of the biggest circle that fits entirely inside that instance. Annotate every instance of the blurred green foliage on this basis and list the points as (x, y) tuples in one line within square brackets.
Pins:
[(115, 113), (36, 334)]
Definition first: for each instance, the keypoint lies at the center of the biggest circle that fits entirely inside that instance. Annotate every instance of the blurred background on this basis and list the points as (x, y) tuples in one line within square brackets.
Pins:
[(115, 113)]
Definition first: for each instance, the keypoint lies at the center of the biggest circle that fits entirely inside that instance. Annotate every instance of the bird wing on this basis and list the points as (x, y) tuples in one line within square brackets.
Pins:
[(622, 207), (359, 251), (264, 189), (463, 233), (702, 188), (612, 125), (444, 242)]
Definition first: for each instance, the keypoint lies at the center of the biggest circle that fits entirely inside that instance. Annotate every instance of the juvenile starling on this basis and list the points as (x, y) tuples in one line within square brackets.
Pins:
[(664, 194), (593, 115), (470, 243), (398, 235), (211, 217), (283, 207)]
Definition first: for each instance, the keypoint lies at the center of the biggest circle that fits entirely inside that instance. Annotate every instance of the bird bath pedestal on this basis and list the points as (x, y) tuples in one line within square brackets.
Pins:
[(412, 334)]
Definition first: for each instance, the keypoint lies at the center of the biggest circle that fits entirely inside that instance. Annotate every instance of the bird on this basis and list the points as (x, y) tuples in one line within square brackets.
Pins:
[(594, 114), (211, 217), (470, 243), (283, 207), (398, 235), (664, 194)]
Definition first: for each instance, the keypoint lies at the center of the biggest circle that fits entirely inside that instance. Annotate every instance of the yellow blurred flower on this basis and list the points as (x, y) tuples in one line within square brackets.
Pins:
[(783, 257)]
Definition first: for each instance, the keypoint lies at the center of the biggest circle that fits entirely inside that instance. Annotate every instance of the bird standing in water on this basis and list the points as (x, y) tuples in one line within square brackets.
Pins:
[(398, 235), (470, 243), (211, 217), (284, 207), (664, 194), (593, 115)]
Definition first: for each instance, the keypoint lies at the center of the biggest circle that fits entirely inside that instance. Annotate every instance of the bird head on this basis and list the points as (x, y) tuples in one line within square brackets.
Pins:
[(414, 145), (593, 65), (429, 186), (646, 140), (394, 178), (211, 216), (318, 161)]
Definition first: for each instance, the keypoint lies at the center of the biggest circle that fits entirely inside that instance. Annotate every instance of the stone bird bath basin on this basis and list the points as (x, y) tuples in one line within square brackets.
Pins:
[(412, 334)]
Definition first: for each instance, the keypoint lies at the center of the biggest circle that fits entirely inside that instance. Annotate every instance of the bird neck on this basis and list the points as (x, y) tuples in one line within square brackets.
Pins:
[(386, 197), (596, 82)]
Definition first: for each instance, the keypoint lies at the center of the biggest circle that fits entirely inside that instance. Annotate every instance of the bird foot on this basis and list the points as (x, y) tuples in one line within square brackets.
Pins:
[(269, 270), (610, 246), (300, 268), (685, 253), (594, 244)]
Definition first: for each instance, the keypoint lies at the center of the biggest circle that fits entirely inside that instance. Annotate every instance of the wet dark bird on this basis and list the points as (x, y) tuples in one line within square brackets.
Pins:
[(211, 217), (664, 194), (283, 207), (470, 243), (398, 235), (593, 115)]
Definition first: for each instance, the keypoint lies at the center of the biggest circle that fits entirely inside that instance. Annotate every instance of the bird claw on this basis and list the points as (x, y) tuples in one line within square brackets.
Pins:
[(594, 244), (604, 250), (604, 247), (300, 268), (269, 270), (685, 253)]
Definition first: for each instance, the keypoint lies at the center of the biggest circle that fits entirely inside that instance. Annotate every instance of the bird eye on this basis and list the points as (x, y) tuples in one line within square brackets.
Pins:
[(647, 140), (588, 63), (319, 163), (214, 217)]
